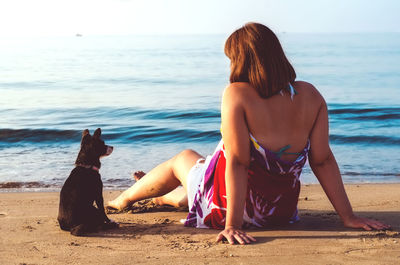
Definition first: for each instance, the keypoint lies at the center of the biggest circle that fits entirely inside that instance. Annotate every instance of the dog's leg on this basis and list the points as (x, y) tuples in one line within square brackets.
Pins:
[(100, 206), (96, 221), (109, 225), (63, 226), (79, 230), (100, 203)]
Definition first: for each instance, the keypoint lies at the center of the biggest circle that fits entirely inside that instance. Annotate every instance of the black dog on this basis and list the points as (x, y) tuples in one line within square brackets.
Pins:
[(83, 187)]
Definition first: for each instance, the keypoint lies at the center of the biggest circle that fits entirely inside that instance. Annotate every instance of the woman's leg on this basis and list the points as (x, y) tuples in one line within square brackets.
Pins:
[(159, 181), (177, 198)]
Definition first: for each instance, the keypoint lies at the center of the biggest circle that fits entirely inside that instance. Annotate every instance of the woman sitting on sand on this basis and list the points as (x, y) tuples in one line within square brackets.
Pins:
[(270, 125)]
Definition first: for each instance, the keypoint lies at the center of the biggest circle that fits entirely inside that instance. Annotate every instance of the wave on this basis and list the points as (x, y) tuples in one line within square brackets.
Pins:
[(98, 113), (363, 139), (154, 114), (375, 174), (29, 184), (135, 134), (361, 110), (336, 111), (395, 116), (37, 135), (158, 135), (31, 84), (173, 114), (366, 113), (165, 135)]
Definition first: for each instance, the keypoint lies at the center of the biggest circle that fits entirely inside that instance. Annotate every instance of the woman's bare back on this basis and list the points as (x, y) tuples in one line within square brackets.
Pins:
[(281, 120)]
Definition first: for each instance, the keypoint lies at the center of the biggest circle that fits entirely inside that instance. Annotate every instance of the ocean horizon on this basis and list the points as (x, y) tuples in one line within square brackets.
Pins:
[(154, 96)]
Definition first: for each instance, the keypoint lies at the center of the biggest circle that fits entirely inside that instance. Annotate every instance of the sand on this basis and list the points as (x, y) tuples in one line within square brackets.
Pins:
[(29, 234)]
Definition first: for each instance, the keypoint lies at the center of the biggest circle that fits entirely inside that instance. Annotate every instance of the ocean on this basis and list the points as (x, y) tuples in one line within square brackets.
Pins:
[(154, 96)]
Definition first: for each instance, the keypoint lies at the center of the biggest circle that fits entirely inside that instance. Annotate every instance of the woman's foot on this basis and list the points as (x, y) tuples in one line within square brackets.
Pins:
[(176, 198), (118, 204), (112, 206), (138, 175), (157, 201)]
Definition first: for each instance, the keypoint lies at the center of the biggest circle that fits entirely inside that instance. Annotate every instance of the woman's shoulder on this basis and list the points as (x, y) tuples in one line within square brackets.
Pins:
[(239, 94), (242, 87), (238, 87), (239, 90), (243, 91), (308, 90), (303, 85)]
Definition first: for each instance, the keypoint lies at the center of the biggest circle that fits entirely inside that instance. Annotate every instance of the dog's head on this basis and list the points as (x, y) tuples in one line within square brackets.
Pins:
[(92, 149)]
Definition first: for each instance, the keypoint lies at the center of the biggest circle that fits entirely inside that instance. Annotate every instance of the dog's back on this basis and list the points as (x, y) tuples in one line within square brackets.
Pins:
[(77, 197)]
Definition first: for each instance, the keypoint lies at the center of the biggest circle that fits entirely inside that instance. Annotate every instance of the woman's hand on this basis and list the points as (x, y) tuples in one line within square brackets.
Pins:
[(365, 223), (232, 234)]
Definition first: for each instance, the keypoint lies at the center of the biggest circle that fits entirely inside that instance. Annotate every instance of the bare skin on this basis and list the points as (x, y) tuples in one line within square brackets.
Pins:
[(176, 198), (138, 175), (161, 183), (274, 122)]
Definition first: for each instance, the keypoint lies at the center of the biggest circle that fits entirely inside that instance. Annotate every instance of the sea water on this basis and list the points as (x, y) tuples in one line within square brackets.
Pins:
[(154, 96)]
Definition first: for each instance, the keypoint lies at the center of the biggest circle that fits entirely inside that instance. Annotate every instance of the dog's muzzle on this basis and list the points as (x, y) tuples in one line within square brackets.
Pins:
[(109, 150)]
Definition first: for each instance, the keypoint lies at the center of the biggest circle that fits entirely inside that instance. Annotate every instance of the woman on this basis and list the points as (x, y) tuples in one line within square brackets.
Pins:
[(270, 125)]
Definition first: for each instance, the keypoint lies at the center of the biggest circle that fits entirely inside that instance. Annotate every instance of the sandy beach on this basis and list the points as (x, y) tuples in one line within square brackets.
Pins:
[(29, 234)]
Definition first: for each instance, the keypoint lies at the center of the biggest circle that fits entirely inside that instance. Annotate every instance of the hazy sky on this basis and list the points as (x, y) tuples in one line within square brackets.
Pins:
[(66, 17)]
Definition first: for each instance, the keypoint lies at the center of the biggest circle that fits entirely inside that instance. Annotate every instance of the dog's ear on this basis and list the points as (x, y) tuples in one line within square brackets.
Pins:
[(85, 136), (85, 132), (97, 133)]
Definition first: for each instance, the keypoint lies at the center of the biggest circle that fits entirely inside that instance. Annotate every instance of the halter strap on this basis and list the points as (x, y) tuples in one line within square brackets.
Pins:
[(282, 151), (291, 90)]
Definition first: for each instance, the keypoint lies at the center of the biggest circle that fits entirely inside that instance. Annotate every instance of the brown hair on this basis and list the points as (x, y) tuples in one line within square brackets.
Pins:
[(257, 57)]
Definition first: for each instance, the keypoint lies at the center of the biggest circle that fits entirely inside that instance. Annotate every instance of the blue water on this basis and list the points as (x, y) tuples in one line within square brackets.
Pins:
[(156, 95)]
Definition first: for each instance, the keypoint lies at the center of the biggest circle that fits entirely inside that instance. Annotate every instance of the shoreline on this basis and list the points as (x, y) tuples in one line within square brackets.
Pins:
[(57, 189), (30, 234)]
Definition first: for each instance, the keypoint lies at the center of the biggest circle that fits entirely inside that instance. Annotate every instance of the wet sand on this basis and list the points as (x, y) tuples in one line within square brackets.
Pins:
[(29, 234)]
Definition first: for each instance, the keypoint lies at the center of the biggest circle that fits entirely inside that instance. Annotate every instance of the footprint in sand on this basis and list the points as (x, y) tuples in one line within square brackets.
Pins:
[(30, 228), (3, 215)]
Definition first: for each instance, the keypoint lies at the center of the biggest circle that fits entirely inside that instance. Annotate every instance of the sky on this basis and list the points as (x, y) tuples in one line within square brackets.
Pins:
[(126, 17)]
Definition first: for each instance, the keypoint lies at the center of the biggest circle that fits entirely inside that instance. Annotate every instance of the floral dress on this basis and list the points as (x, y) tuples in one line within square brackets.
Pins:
[(272, 191)]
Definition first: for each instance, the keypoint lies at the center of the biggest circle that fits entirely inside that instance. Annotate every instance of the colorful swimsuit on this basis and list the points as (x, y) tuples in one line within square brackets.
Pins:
[(272, 191)]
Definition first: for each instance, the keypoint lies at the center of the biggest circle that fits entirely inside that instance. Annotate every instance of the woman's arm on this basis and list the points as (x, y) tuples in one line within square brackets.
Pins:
[(325, 168), (237, 152)]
